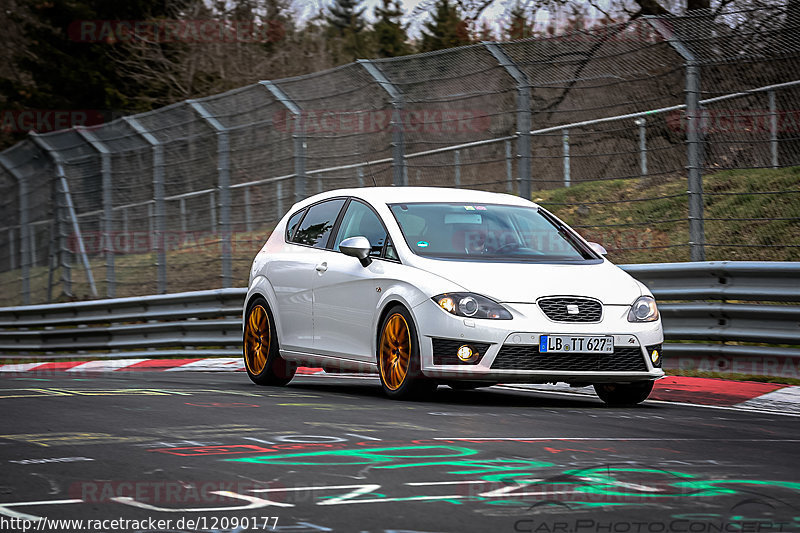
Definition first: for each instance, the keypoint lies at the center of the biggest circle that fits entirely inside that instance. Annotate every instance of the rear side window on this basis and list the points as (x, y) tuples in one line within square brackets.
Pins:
[(292, 224), (316, 226)]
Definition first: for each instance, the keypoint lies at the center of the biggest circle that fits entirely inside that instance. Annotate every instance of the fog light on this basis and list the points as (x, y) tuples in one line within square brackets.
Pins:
[(655, 356), (467, 354)]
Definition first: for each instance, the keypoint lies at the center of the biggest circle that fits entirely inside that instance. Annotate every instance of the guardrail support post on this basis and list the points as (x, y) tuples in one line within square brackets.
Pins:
[(399, 174), (70, 207), (108, 221), (224, 185), (693, 140), (158, 198), (22, 188), (523, 116), (298, 134)]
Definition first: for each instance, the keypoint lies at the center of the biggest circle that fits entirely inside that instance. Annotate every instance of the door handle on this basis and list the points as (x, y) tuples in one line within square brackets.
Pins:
[(322, 267)]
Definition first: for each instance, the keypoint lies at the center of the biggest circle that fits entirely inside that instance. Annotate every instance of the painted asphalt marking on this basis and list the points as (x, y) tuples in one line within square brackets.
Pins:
[(767, 398), (223, 363), (104, 366), (781, 400)]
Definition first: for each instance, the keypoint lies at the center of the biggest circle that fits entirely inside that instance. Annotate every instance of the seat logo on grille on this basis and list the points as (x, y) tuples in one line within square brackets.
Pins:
[(573, 309)]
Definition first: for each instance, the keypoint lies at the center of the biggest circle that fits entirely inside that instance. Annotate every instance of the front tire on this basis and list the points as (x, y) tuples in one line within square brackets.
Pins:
[(398, 357), (262, 360), (624, 393)]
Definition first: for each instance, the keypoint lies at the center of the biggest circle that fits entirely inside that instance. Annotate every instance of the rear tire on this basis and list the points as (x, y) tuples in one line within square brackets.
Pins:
[(262, 358), (624, 393), (398, 357)]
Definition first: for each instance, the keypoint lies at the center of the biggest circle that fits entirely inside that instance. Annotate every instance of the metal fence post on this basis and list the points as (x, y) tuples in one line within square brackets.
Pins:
[(509, 169), (248, 217), (158, 198), (399, 174), (125, 227), (565, 147), (22, 189), (299, 136), (279, 194), (224, 176), (108, 221), (32, 239), (360, 176), (694, 147), (151, 227), (69, 205), (523, 117), (212, 206), (182, 207), (693, 139), (11, 252), (773, 129), (642, 123), (63, 250), (457, 163)]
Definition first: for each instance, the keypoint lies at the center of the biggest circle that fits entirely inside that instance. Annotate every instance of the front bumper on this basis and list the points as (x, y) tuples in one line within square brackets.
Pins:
[(510, 347)]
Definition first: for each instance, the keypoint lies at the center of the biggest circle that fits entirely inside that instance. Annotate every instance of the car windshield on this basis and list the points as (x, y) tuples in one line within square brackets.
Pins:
[(487, 232)]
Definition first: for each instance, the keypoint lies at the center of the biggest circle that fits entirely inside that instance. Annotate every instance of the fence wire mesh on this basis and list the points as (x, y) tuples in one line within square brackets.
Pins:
[(608, 128)]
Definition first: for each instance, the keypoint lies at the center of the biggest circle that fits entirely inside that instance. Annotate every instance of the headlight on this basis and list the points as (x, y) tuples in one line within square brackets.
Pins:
[(643, 310), (471, 305)]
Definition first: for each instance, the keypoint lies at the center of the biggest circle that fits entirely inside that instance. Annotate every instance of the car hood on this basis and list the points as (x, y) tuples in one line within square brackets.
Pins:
[(526, 282)]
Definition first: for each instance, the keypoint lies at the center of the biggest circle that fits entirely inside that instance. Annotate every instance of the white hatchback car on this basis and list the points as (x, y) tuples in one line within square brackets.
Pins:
[(431, 285)]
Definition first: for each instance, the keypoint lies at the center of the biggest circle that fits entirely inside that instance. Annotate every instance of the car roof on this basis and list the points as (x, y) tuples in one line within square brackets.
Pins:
[(393, 195)]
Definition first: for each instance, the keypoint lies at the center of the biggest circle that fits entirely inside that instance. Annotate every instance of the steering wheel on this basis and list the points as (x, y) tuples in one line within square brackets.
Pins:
[(513, 245)]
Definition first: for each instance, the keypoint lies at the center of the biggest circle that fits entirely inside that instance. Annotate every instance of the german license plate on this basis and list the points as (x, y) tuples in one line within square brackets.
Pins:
[(576, 344)]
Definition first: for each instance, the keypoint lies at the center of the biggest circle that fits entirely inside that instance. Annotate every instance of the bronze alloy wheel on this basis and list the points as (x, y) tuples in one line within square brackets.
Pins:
[(257, 338), (395, 351)]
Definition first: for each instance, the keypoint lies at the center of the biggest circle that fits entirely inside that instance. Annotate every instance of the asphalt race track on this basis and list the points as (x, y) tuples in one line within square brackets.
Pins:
[(194, 451)]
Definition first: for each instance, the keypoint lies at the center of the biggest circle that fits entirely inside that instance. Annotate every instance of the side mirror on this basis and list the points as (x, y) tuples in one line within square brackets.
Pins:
[(358, 247), (598, 248)]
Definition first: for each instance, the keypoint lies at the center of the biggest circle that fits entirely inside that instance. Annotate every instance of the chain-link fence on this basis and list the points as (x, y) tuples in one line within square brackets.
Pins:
[(664, 139)]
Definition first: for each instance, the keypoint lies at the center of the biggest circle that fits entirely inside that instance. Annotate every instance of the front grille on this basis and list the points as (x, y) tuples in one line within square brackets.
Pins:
[(556, 309), (624, 359), (444, 351)]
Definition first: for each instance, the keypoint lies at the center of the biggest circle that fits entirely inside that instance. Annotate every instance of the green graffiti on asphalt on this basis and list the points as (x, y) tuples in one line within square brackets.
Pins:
[(365, 456)]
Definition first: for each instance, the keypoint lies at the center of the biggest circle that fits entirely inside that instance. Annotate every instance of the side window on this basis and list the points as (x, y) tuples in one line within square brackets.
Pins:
[(292, 224), (317, 224), (361, 220)]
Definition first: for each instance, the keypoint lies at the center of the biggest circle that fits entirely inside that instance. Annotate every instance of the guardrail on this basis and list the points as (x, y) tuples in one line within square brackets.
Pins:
[(718, 316), (743, 310), (198, 324)]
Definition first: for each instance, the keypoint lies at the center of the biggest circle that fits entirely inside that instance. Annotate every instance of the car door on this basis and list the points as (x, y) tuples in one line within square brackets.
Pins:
[(292, 274), (346, 293)]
